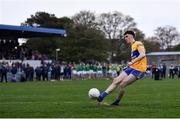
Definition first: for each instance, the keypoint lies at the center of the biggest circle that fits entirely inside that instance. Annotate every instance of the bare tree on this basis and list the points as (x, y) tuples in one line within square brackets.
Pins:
[(167, 36), (85, 18), (113, 24)]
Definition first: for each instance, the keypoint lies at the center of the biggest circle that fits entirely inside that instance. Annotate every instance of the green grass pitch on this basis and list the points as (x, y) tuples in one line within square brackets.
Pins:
[(145, 98)]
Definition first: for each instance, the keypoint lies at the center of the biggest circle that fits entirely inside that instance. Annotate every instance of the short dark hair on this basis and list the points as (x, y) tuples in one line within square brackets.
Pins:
[(130, 32)]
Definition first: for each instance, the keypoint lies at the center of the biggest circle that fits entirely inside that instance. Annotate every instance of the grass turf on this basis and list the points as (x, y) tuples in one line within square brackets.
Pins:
[(145, 98)]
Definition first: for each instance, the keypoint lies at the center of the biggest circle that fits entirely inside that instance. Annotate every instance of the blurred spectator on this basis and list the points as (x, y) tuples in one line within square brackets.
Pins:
[(154, 67), (104, 70), (178, 71), (157, 73), (38, 72), (45, 72), (118, 69), (164, 71), (3, 72), (62, 72), (13, 71), (171, 71), (69, 72)]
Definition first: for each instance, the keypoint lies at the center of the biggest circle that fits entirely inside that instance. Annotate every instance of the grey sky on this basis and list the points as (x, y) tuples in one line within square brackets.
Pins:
[(148, 14)]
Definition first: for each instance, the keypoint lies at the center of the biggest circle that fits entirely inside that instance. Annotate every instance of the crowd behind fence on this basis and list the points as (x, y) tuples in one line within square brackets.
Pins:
[(21, 72)]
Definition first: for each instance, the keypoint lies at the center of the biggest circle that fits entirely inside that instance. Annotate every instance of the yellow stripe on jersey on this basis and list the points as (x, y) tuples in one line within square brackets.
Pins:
[(140, 65)]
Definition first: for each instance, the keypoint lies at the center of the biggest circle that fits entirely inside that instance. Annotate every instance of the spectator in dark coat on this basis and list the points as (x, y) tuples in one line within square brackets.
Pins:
[(38, 72), (45, 72), (4, 71), (69, 71)]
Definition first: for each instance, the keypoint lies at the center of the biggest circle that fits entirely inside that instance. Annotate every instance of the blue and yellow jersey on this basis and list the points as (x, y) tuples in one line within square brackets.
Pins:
[(140, 65)]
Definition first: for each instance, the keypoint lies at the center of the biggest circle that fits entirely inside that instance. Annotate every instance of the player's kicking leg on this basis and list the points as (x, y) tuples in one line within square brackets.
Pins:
[(113, 85)]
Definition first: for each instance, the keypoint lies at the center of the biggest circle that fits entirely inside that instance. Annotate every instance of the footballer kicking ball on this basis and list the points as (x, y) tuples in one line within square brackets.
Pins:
[(93, 93)]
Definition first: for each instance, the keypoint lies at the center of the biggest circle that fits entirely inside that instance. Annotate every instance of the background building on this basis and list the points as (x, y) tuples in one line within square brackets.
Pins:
[(164, 57)]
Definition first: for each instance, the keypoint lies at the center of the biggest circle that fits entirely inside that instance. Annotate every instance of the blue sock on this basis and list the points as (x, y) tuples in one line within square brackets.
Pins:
[(117, 101), (103, 95)]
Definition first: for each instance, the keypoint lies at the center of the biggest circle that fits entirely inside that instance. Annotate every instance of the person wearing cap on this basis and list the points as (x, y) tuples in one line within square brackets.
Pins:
[(136, 69)]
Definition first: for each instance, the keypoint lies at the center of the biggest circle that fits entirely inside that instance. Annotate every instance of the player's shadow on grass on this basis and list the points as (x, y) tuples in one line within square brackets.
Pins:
[(124, 104)]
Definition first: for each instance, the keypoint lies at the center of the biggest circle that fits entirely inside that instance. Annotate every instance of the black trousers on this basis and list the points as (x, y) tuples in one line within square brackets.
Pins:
[(4, 76)]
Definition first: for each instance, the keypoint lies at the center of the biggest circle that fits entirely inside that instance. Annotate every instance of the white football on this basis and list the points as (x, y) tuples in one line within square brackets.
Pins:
[(93, 93)]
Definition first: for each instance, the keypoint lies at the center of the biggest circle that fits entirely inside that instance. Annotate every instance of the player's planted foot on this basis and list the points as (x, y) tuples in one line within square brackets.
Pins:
[(102, 96), (115, 103)]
